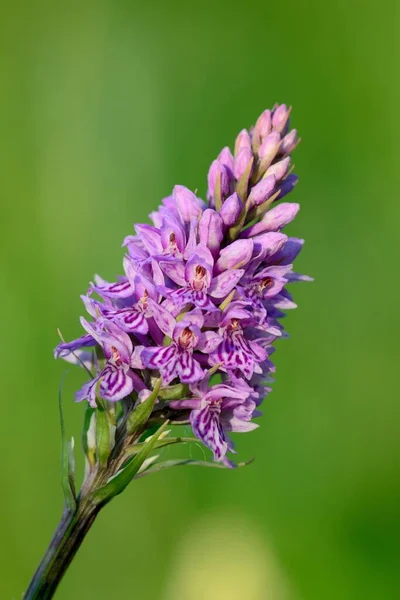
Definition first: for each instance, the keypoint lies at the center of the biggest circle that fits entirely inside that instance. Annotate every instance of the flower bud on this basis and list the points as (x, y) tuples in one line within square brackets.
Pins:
[(189, 206), (289, 142), (218, 175), (231, 210), (263, 125), (262, 191), (269, 148), (280, 118), (243, 140), (210, 230), (279, 169), (225, 158), (287, 185), (234, 256), (242, 161)]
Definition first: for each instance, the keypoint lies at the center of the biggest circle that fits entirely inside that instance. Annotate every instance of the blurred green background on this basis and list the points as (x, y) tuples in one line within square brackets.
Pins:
[(104, 107)]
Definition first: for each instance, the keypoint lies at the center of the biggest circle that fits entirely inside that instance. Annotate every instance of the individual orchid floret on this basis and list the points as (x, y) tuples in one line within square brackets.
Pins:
[(215, 410)]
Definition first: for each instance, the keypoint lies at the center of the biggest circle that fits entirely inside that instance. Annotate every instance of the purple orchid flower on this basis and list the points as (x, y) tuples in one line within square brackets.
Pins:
[(216, 410), (195, 280), (114, 382), (235, 352), (176, 359)]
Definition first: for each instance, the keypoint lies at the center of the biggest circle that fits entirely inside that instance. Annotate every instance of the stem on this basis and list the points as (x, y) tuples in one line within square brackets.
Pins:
[(66, 541)]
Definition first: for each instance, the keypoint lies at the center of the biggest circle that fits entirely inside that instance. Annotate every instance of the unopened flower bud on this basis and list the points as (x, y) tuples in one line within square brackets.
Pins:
[(269, 148), (231, 210), (279, 169), (287, 185), (242, 161), (263, 125), (243, 140), (289, 142), (280, 118), (262, 191)]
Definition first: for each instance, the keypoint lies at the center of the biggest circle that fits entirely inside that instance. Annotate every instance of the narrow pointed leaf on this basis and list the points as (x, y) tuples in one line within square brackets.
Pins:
[(167, 464), (174, 392), (67, 462), (103, 447), (117, 484), (139, 416), (132, 450)]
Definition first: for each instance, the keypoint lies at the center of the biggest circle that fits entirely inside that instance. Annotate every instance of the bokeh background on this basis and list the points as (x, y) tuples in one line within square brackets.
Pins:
[(104, 106)]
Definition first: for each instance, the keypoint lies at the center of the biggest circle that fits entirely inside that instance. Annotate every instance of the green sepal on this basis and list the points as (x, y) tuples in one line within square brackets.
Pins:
[(259, 211), (168, 464), (88, 450), (174, 392), (67, 457), (103, 446), (217, 193), (243, 184), (140, 415), (119, 482), (136, 448), (234, 231)]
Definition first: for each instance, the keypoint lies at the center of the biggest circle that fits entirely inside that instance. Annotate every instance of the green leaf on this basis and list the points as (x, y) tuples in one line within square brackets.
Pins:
[(243, 183), (89, 449), (118, 483), (103, 446), (174, 392), (67, 457), (168, 464), (140, 415), (217, 193), (132, 450)]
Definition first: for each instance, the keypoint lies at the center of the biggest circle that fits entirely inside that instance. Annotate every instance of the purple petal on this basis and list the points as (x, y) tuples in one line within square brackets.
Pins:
[(262, 191), (151, 238), (210, 230), (189, 206), (208, 342), (162, 317), (121, 289), (231, 210), (65, 348), (280, 118), (289, 142), (188, 368), (242, 161), (207, 427), (175, 270), (275, 219), (243, 140), (279, 169), (115, 383), (88, 392), (224, 283), (235, 255)]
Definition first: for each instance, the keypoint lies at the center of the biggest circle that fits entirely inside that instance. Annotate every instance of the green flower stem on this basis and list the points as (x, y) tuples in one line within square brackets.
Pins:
[(66, 541)]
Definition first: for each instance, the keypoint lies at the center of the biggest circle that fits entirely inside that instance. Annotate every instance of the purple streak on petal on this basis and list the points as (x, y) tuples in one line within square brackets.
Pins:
[(207, 427), (115, 383)]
